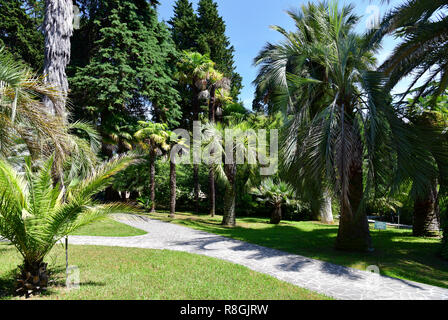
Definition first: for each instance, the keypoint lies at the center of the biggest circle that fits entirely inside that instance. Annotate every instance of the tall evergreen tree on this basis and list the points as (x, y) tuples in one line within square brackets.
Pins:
[(214, 42), (129, 69), (184, 26), (19, 24)]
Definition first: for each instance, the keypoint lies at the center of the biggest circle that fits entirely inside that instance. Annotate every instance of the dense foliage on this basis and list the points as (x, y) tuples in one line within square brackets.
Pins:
[(19, 31), (127, 72), (205, 32), (349, 148)]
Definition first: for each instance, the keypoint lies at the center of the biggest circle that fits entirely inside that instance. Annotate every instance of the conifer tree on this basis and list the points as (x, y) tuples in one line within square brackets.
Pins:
[(19, 23), (184, 26), (205, 32), (129, 71), (214, 42)]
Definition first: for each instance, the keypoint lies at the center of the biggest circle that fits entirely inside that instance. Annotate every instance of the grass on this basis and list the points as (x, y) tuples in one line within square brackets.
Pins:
[(108, 273), (109, 228), (397, 253)]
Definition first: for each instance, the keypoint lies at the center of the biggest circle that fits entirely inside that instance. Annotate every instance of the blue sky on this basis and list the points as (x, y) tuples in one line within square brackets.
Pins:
[(248, 24)]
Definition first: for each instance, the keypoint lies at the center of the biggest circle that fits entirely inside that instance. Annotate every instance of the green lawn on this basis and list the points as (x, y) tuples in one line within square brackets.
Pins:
[(127, 273), (397, 253), (109, 228)]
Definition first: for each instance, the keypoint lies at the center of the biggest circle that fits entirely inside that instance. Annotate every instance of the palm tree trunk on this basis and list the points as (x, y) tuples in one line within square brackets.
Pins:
[(326, 212), (33, 278), (353, 233), (229, 218), (58, 28), (172, 189), (196, 187), (152, 182), (444, 250), (196, 107), (212, 195), (211, 175), (427, 214), (276, 216)]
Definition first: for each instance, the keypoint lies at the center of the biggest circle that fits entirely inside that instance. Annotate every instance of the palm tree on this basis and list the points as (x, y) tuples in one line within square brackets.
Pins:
[(153, 137), (423, 26), (276, 61), (224, 150), (430, 117), (35, 214), (177, 149), (195, 70), (276, 193), (85, 145), (58, 28), (339, 116), (423, 54), (24, 119), (219, 97)]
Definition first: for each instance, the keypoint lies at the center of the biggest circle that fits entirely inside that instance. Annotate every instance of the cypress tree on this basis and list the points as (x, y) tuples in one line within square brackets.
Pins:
[(214, 42), (184, 26)]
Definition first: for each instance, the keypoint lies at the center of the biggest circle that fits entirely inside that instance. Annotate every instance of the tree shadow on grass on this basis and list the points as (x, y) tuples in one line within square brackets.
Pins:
[(397, 253)]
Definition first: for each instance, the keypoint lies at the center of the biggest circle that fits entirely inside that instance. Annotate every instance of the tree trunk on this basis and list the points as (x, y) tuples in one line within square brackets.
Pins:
[(229, 218), (427, 214), (152, 182), (326, 212), (353, 233), (444, 250), (276, 216), (172, 189), (211, 175), (58, 28), (212, 195), (196, 187), (33, 278)]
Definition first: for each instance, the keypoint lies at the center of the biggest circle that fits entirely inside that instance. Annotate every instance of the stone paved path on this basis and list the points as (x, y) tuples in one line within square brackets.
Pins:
[(332, 280)]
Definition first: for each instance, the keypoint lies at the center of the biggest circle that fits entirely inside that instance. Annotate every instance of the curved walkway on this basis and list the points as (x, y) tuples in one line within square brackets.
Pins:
[(332, 280)]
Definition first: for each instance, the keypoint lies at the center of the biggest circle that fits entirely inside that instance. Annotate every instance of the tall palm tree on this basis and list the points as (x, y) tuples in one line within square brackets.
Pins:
[(430, 117), (35, 214), (271, 82), (219, 96), (154, 138), (58, 28), (177, 149), (196, 70), (422, 54), (339, 115), (224, 150)]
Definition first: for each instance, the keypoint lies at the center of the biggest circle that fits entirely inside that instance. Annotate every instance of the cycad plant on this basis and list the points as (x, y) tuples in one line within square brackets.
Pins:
[(276, 194), (36, 213)]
